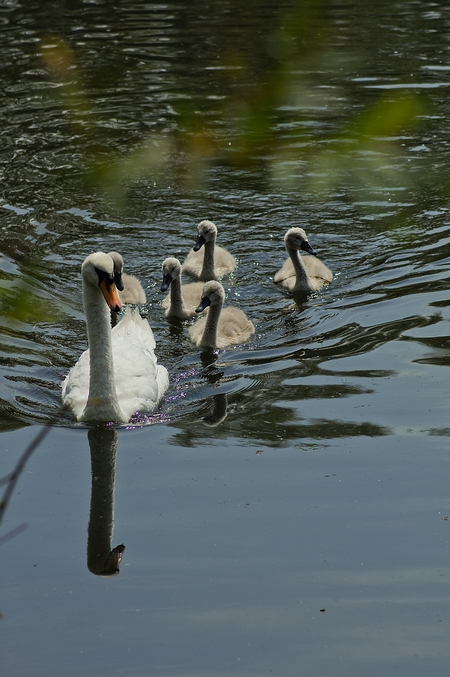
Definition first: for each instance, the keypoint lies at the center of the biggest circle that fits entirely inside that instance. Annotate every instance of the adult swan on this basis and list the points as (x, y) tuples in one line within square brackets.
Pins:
[(118, 375)]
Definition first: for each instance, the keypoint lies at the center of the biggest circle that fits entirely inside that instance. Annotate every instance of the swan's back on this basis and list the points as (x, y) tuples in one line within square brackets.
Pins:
[(140, 380), (224, 262), (318, 273), (233, 327)]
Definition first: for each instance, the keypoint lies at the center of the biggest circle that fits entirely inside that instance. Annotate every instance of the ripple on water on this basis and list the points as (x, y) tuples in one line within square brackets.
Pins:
[(302, 347)]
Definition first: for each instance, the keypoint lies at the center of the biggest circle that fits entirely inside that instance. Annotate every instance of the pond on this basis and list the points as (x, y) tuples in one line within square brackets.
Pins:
[(285, 510)]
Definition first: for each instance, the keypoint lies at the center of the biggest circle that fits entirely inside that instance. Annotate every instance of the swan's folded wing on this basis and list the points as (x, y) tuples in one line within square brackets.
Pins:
[(192, 294), (134, 325), (234, 327), (196, 331), (193, 263), (316, 268), (286, 271), (74, 387), (140, 381), (224, 261)]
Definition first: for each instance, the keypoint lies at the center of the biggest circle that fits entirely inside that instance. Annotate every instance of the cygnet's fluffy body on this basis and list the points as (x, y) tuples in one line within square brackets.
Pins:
[(206, 260), (222, 326), (182, 300), (301, 273), (129, 288)]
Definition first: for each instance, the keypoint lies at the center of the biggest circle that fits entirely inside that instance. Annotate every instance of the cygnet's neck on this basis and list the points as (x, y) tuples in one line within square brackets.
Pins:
[(302, 281), (102, 403), (209, 269), (209, 337), (176, 298)]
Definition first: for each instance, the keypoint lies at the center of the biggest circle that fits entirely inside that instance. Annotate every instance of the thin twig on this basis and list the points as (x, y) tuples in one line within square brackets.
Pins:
[(14, 532), (14, 476)]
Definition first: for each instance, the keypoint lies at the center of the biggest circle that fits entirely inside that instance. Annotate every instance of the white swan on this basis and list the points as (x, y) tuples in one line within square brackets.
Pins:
[(221, 327), (129, 288), (182, 300), (118, 375), (301, 273), (206, 260)]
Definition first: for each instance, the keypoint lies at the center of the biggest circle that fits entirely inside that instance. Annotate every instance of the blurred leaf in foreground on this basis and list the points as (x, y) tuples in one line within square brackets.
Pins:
[(281, 108), (19, 303)]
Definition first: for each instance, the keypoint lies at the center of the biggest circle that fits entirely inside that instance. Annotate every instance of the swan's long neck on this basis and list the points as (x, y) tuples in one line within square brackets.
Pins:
[(176, 298), (209, 269), (102, 404), (303, 282), (209, 337)]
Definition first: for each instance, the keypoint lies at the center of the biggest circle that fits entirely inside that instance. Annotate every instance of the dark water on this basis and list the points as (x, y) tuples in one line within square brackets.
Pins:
[(284, 509)]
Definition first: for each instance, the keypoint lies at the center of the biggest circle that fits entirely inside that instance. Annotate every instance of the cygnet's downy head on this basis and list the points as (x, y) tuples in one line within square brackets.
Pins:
[(98, 271), (213, 294), (171, 269), (296, 238), (118, 269), (207, 232)]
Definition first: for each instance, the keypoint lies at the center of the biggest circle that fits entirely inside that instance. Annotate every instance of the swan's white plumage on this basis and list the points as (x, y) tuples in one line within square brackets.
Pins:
[(182, 299), (222, 326), (301, 273), (118, 375), (132, 293), (209, 262)]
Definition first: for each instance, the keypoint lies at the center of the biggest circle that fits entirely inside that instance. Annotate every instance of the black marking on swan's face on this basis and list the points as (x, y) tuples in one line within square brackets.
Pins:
[(103, 275)]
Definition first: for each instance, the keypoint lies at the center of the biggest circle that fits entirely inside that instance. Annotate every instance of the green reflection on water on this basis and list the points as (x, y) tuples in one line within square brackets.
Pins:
[(259, 115)]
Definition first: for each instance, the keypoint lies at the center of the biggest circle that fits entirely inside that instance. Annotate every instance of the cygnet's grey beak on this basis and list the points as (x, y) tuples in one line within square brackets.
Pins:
[(204, 303), (199, 244), (167, 279), (118, 279), (307, 248)]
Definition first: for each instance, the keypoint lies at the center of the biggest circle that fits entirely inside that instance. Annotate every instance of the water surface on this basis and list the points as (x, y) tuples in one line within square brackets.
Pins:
[(284, 510)]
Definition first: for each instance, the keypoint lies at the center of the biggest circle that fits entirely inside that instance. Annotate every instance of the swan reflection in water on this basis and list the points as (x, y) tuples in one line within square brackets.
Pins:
[(218, 410), (102, 560)]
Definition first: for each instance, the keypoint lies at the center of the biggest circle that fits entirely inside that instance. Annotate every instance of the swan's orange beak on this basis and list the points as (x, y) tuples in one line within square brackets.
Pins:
[(110, 293)]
